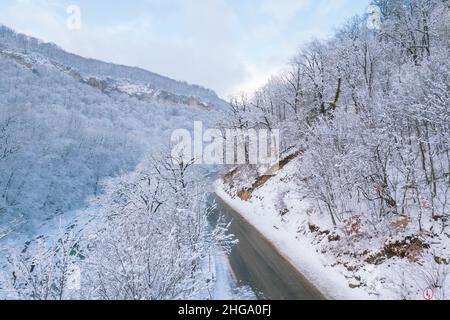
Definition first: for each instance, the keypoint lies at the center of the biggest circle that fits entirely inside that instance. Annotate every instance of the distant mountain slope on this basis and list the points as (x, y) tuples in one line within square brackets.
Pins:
[(67, 122), (91, 67)]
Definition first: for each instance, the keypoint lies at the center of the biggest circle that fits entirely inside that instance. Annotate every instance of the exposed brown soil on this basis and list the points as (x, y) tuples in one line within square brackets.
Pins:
[(246, 194), (410, 248)]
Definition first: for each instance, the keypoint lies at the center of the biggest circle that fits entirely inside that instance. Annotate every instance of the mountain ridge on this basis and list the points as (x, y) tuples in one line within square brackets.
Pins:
[(28, 44), (73, 123)]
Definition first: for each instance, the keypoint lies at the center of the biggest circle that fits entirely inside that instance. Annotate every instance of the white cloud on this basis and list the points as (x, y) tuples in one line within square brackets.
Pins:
[(256, 76)]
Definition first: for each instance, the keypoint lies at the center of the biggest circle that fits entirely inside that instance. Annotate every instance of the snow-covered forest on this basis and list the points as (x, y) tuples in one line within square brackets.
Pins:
[(87, 191), (368, 113), (93, 205), (67, 122)]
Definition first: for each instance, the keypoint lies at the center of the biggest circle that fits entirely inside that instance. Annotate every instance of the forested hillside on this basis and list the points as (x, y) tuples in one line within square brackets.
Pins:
[(67, 122), (91, 204), (368, 112)]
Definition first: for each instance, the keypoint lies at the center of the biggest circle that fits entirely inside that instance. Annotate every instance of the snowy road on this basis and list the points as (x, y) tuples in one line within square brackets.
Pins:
[(256, 263)]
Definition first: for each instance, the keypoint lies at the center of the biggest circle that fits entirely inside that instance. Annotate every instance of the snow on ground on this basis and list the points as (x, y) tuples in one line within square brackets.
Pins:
[(223, 289), (300, 254), (225, 286), (332, 266)]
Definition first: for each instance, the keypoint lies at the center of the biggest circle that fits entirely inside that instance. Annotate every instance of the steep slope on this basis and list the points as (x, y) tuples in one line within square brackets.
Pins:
[(363, 209), (67, 122)]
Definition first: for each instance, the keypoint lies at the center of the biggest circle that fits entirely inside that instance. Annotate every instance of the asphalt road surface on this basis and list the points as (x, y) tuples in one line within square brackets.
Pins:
[(256, 263)]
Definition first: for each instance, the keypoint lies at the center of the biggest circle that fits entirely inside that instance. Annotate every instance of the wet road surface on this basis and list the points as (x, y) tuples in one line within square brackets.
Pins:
[(256, 263)]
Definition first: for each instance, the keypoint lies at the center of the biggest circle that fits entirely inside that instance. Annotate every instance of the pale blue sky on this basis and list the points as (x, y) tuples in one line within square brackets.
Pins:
[(227, 45)]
